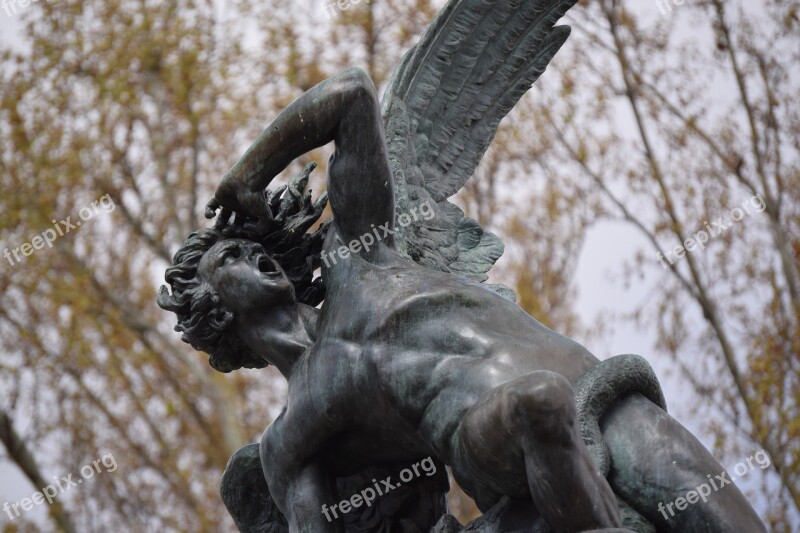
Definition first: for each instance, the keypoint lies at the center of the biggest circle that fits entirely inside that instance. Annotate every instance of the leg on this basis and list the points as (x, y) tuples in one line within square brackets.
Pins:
[(246, 495), (655, 460), (529, 426)]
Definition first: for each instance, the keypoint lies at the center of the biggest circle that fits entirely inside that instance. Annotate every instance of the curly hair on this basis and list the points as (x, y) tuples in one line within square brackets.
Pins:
[(202, 318)]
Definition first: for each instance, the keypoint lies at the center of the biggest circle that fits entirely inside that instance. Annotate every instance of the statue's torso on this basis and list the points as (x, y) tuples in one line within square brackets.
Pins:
[(413, 349)]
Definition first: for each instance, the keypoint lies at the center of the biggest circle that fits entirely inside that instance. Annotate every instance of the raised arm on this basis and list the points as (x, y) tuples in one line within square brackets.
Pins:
[(343, 109)]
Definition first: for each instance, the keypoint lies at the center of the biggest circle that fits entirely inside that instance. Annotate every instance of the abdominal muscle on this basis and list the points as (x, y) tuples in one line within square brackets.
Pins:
[(433, 343), (433, 388)]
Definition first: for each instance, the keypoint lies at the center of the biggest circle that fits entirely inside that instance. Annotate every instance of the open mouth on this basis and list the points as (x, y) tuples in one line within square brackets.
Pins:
[(266, 265)]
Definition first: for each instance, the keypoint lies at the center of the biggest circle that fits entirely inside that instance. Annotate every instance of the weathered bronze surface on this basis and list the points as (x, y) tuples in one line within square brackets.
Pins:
[(410, 358)]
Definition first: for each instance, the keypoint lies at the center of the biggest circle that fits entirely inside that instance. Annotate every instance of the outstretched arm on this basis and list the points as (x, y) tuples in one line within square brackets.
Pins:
[(343, 109)]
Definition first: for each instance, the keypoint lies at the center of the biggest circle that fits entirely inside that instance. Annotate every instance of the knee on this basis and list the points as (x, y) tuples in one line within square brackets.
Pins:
[(243, 462), (542, 404), (244, 489)]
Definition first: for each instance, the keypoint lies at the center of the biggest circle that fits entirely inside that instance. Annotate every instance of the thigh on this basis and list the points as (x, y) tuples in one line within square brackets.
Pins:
[(488, 459), (655, 460)]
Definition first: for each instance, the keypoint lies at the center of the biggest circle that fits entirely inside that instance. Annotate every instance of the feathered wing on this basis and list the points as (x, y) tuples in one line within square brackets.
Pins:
[(441, 111)]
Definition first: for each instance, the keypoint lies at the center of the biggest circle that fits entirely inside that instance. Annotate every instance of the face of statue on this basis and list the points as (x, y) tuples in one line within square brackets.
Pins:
[(244, 276)]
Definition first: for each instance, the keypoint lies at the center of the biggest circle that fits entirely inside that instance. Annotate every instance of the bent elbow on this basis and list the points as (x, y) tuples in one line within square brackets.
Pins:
[(355, 82)]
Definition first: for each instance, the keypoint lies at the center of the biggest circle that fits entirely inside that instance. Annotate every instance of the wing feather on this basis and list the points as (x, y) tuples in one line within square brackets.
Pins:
[(442, 108)]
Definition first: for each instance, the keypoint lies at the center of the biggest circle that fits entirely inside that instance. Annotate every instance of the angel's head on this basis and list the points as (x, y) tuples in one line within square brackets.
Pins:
[(225, 275), (213, 282)]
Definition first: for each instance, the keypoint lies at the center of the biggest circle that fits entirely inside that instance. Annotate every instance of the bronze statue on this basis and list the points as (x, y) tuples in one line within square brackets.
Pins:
[(410, 356)]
